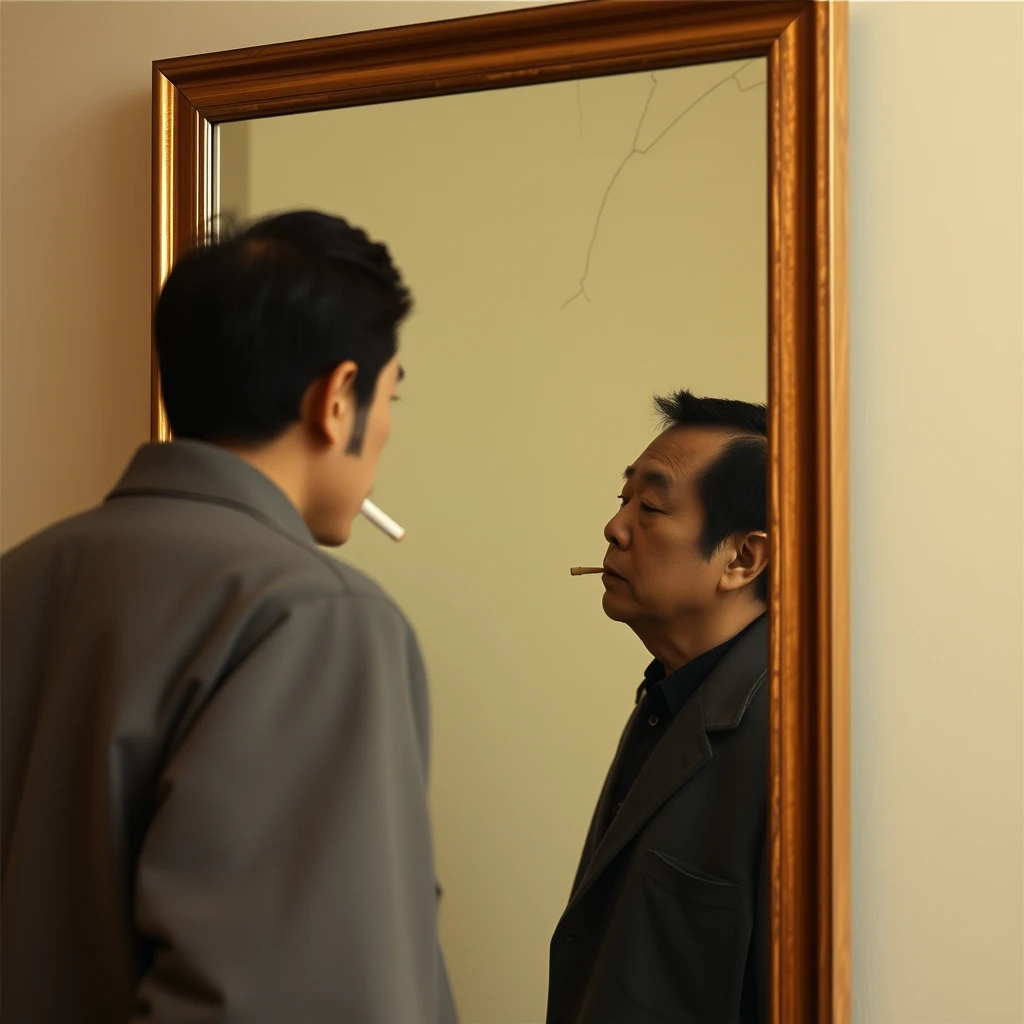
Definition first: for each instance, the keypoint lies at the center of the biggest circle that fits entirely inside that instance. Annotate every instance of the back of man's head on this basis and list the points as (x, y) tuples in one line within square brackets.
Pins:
[(734, 484), (249, 320)]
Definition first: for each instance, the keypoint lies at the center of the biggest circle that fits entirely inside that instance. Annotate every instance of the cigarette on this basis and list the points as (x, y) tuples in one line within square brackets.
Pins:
[(585, 570), (382, 521)]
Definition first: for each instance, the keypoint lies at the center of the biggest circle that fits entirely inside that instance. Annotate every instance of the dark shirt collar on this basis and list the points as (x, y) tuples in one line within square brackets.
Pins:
[(671, 692), (203, 472)]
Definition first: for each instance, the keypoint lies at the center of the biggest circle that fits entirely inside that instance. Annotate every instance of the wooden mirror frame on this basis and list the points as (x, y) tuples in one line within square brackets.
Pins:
[(804, 42)]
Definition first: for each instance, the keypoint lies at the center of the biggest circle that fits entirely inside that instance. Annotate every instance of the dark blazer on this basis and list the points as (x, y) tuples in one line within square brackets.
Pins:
[(668, 918), (214, 768)]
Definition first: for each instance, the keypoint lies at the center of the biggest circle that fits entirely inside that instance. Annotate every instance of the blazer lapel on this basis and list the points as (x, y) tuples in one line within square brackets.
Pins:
[(597, 823), (680, 752), (718, 706)]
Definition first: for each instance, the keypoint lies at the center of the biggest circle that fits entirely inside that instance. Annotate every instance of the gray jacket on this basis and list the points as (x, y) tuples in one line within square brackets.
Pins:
[(214, 767)]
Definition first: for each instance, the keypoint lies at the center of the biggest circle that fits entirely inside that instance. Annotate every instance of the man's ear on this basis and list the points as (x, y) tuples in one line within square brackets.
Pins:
[(329, 404), (749, 560)]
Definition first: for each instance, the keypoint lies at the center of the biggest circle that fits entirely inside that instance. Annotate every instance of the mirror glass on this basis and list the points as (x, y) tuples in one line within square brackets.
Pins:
[(573, 249)]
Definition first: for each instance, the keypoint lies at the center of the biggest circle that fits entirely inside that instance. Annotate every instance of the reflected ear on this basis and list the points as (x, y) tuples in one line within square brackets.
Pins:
[(750, 559), (329, 404)]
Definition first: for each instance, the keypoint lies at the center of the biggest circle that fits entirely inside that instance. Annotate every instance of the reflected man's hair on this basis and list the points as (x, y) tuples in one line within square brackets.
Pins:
[(734, 486)]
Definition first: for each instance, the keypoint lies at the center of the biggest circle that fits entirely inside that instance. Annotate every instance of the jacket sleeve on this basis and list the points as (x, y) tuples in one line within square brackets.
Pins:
[(287, 874)]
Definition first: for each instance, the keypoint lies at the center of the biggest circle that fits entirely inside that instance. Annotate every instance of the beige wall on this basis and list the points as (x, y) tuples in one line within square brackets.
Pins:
[(938, 410), (937, 295), (516, 420)]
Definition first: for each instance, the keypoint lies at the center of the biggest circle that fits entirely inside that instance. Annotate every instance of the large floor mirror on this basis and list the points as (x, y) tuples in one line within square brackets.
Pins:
[(593, 203)]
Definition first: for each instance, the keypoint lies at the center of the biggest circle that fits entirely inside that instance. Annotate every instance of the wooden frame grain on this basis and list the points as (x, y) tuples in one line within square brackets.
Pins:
[(804, 42)]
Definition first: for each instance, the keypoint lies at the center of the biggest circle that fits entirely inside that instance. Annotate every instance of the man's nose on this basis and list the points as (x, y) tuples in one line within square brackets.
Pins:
[(615, 531)]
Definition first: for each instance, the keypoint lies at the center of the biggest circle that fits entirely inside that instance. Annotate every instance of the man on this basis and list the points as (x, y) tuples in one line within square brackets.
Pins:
[(215, 737), (667, 920)]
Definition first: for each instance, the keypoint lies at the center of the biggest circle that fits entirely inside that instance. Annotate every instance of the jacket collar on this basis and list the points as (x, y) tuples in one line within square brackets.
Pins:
[(195, 471), (732, 684)]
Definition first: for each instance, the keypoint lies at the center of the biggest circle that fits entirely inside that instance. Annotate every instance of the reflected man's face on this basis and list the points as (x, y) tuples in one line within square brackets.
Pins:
[(655, 572)]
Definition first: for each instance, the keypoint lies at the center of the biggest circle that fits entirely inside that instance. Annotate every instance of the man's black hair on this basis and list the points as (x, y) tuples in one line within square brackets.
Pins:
[(249, 319), (734, 486)]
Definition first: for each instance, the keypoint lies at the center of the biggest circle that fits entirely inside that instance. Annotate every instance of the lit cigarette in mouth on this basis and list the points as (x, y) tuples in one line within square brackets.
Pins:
[(585, 570), (382, 521)]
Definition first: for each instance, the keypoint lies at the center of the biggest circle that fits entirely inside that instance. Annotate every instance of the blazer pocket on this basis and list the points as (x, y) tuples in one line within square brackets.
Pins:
[(690, 883), (683, 958)]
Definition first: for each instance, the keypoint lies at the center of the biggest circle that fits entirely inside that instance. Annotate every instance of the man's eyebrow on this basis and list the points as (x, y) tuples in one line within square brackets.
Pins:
[(401, 372), (651, 476)]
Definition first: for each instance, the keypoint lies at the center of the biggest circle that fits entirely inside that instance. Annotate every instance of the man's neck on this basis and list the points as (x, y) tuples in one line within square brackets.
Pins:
[(279, 462), (679, 644)]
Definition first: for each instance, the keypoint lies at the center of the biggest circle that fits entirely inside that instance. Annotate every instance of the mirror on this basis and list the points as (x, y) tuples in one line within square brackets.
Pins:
[(593, 203), (574, 248)]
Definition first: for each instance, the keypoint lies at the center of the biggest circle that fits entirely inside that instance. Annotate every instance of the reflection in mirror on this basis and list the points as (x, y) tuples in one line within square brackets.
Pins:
[(573, 249)]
